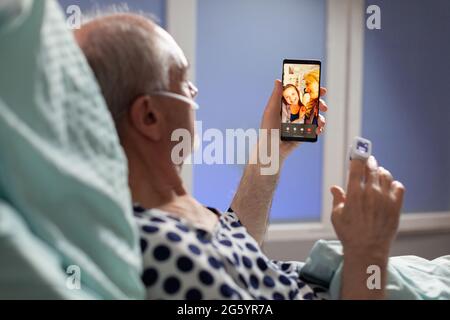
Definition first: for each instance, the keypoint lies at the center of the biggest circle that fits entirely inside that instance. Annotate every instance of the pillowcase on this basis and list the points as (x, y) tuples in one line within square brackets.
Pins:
[(63, 174)]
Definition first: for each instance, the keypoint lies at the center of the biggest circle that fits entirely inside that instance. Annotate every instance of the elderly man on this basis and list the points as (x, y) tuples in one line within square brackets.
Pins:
[(192, 252)]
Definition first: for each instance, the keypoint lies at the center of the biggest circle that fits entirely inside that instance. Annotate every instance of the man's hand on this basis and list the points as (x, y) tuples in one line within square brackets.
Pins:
[(272, 117), (253, 199), (366, 220)]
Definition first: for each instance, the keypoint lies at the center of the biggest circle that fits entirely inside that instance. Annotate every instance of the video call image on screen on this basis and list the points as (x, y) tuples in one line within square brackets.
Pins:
[(300, 107)]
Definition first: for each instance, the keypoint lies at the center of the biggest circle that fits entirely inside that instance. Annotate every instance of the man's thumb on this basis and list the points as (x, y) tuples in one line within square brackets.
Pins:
[(275, 98), (338, 195)]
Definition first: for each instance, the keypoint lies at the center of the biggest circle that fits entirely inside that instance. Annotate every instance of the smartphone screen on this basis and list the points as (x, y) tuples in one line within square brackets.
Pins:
[(300, 100)]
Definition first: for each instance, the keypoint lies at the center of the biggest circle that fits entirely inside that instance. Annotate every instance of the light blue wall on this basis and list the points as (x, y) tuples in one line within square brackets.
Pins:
[(406, 106), (240, 48), (155, 7)]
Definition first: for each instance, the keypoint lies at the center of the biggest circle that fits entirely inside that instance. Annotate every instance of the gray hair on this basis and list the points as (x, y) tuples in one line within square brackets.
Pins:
[(125, 55)]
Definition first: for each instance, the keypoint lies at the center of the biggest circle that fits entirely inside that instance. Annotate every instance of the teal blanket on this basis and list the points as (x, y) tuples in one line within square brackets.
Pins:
[(409, 277)]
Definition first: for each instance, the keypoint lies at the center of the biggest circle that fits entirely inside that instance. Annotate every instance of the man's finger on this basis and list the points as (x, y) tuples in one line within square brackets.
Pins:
[(321, 122), (274, 103), (398, 192), (323, 106), (385, 178), (372, 171), (323, 91), (355, 176), (320, 125), (338, 195)]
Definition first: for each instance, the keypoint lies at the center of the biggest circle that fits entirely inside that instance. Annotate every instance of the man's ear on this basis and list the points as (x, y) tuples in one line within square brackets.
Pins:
[(146, 118)]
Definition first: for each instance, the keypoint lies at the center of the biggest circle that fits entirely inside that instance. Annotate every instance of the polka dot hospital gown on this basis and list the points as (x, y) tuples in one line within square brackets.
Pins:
[(182, 261)]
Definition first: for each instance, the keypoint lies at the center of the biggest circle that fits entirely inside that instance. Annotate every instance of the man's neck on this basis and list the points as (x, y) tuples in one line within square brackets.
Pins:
[(156, 183), (153, 183)]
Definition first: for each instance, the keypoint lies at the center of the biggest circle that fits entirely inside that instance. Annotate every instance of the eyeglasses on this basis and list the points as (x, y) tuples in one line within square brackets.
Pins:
[(192, 89)]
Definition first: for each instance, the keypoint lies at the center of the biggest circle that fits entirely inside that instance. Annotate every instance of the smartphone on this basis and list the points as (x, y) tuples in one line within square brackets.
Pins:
[(300, 100)]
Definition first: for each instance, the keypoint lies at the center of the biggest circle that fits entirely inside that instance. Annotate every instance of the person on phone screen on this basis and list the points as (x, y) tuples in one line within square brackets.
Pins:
[(294, 110), (311, 96)]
